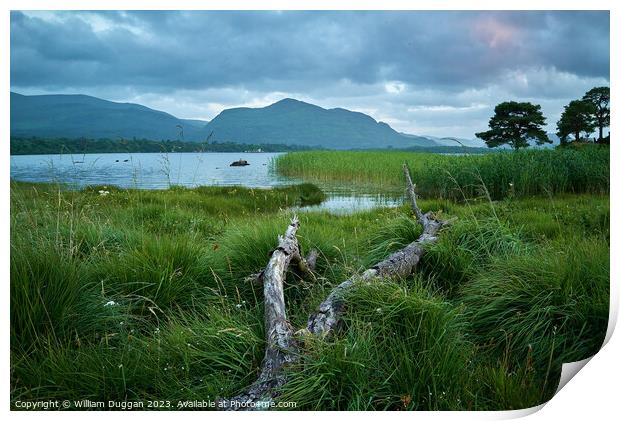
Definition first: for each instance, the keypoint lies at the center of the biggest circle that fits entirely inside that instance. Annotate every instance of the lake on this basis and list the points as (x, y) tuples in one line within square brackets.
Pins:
[(160, 171)]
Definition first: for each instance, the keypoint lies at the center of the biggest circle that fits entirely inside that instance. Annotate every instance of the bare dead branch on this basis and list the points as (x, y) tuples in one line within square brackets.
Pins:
[(281, 346), (311, 259), (306, 267), (400, 263), (412, 195), (255, 278)]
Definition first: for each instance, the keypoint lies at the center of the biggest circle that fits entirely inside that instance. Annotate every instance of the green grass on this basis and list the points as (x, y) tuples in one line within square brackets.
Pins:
[(544, 303), (141, 295), (401, 341), (499, 175)]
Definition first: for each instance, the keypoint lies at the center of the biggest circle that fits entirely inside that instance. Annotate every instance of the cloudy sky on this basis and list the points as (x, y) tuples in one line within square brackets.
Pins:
[(429, 73)]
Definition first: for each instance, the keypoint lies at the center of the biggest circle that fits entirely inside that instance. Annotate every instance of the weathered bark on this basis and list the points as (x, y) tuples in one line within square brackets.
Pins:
[(400, 263), (281, 347), (305, 268), (256, 278), (311, 259)]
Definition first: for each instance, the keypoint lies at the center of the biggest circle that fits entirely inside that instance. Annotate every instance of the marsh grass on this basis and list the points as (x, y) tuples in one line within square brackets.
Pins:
[(138, 294), (504, 174), (545, 303), (371, 366)]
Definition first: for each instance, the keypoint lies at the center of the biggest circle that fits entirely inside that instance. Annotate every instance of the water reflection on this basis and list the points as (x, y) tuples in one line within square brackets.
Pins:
[(147, 170), (339, 204), (160, 171)]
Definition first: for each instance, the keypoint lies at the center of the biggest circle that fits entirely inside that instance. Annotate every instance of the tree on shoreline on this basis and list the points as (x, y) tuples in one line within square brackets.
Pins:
[(515, 124), (577, 118), (599, 98)]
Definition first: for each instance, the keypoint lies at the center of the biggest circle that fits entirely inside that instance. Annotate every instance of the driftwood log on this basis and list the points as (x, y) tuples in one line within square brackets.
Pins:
[(281, 346), (400, 263)]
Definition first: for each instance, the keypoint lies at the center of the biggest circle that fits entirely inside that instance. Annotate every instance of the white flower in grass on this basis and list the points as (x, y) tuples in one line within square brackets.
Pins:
[(103, 192), (110, 303)]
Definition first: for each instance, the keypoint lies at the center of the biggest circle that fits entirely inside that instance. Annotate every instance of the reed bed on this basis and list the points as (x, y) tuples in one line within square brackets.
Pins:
[(503, 174)]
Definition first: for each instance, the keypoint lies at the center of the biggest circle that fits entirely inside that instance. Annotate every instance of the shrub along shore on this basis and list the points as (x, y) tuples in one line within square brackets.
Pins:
[(136, 295)]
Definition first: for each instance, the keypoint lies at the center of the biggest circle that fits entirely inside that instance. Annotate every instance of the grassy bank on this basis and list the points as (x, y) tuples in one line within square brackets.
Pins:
[(134, 295), (501, 174)]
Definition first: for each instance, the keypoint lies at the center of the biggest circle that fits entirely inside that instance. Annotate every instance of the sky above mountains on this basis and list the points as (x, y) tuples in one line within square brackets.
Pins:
[(428, 73)]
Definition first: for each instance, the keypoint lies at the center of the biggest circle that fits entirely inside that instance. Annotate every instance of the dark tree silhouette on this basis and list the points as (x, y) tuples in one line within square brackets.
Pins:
[(577, 118), (515, 124), (599, 98)]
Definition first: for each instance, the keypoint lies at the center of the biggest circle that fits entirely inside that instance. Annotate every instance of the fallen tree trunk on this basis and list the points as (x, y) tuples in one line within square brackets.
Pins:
[(282, 348), (400, 263)]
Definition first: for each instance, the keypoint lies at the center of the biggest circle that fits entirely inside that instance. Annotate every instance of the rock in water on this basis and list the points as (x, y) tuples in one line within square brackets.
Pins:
[(240, 163)]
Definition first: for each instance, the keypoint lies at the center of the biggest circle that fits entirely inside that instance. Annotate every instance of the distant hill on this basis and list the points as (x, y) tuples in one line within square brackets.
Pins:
[(298, 123), (479, 143), (554, 138), (74, 116), (289, 122), (449, 141)]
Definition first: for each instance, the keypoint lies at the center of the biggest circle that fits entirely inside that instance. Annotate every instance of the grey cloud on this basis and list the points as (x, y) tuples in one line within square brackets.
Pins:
[(194, 62), (201, 49)]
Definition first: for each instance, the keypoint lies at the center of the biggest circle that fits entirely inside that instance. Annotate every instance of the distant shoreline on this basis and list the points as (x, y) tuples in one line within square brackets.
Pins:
[(55, 146), (64, 146), (138, 152)]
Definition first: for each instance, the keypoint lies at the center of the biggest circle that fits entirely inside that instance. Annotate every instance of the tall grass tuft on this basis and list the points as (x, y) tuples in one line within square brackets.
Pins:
[(402, 348), (45, 290), (550, 304)]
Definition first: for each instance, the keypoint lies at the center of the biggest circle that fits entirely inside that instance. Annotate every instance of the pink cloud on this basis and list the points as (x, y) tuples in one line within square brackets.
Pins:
[(494, 32)]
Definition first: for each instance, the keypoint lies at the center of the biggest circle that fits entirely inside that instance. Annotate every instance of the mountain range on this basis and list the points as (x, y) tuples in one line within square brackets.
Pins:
[(75, 116), (288, 121)]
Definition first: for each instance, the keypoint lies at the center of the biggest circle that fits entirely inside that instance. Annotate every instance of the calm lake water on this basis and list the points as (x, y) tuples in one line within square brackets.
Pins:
[(159, 171)]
